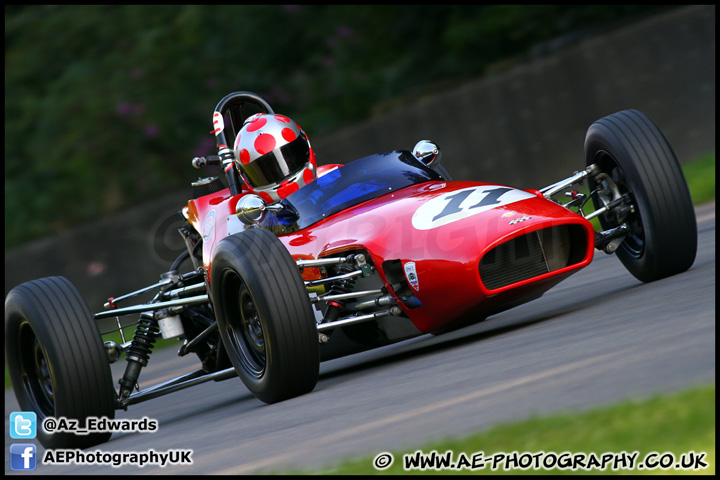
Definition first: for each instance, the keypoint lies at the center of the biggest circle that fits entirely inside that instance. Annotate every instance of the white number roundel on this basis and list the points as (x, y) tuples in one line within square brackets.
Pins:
[(466, 202)]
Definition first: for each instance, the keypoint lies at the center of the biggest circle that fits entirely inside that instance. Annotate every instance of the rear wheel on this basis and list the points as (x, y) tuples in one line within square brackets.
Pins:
[(264, 316), (56, 359), (636, 160)]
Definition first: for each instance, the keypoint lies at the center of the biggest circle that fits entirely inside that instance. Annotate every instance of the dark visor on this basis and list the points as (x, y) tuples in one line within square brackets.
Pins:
[(277, 165)]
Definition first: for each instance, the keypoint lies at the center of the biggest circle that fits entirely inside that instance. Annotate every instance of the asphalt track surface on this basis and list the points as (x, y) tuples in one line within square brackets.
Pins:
[(597, 338)]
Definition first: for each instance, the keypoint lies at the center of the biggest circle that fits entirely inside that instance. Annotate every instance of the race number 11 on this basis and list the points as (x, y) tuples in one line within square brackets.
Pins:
[(491, 197), (459, 204)]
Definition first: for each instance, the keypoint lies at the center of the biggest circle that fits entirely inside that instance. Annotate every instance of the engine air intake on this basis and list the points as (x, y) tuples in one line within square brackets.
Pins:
[(531, 255)]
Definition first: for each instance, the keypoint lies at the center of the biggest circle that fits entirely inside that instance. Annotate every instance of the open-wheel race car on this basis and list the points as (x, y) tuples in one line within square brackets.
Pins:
[(279, 276)]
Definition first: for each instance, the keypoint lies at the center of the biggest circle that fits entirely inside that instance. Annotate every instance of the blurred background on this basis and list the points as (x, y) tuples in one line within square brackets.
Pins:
[(105, 106)]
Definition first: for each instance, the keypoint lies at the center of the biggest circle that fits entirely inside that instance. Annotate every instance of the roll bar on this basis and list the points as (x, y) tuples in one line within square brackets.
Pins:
[(232, 105)]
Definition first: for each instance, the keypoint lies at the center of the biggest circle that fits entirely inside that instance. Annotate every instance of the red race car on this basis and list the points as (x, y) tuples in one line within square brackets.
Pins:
[(289, 263)]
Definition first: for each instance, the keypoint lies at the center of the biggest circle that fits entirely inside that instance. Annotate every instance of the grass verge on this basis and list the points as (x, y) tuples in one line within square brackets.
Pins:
[(669, 426), (700, 176)]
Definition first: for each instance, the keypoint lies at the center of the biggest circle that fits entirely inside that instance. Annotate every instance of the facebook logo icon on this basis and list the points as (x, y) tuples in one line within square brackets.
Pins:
[(22, 456)]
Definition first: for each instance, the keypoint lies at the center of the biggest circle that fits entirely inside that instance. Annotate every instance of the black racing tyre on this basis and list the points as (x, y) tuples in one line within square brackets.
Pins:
[(264, 315), (631, 150), (56, 359)]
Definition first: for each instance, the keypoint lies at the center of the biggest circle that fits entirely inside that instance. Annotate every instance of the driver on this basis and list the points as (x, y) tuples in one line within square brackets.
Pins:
[(274, 156)]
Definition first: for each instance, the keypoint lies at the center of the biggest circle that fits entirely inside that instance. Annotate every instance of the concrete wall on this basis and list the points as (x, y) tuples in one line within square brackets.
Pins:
[(524, 127)]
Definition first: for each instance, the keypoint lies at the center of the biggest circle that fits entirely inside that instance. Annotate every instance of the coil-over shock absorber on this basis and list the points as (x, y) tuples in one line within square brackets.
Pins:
[(138, 353), (343, 285)]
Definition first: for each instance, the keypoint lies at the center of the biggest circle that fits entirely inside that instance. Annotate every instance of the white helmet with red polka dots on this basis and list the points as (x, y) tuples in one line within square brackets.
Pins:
[(274, 156)]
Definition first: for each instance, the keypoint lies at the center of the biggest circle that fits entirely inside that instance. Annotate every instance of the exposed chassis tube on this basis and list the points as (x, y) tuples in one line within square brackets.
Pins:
[(608, 240), (563, 184), (352, 320), (180, 383), (152, 306)]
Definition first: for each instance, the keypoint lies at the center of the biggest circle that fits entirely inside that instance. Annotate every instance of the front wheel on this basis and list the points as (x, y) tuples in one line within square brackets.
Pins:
[(264, 315), (636, 161), (56, 359)]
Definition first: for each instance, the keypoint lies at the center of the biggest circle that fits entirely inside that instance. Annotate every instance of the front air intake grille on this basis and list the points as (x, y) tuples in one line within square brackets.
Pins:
[(532, 254), (513, 261)]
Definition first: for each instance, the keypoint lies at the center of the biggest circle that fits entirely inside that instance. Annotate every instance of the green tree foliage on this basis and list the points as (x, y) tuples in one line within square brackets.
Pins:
[(106, 105)]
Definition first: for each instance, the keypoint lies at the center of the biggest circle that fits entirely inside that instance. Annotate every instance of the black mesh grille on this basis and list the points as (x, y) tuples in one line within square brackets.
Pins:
[(513, 261)]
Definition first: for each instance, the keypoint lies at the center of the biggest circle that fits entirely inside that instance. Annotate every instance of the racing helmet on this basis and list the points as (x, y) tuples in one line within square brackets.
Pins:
[(274, 156)]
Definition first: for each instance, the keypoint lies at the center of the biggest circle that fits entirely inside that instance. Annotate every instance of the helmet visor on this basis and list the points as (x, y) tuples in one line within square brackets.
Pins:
[(278, 165)]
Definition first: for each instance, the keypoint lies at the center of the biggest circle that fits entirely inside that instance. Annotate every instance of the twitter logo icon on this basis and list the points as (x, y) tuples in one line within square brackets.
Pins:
[(23, 425)]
